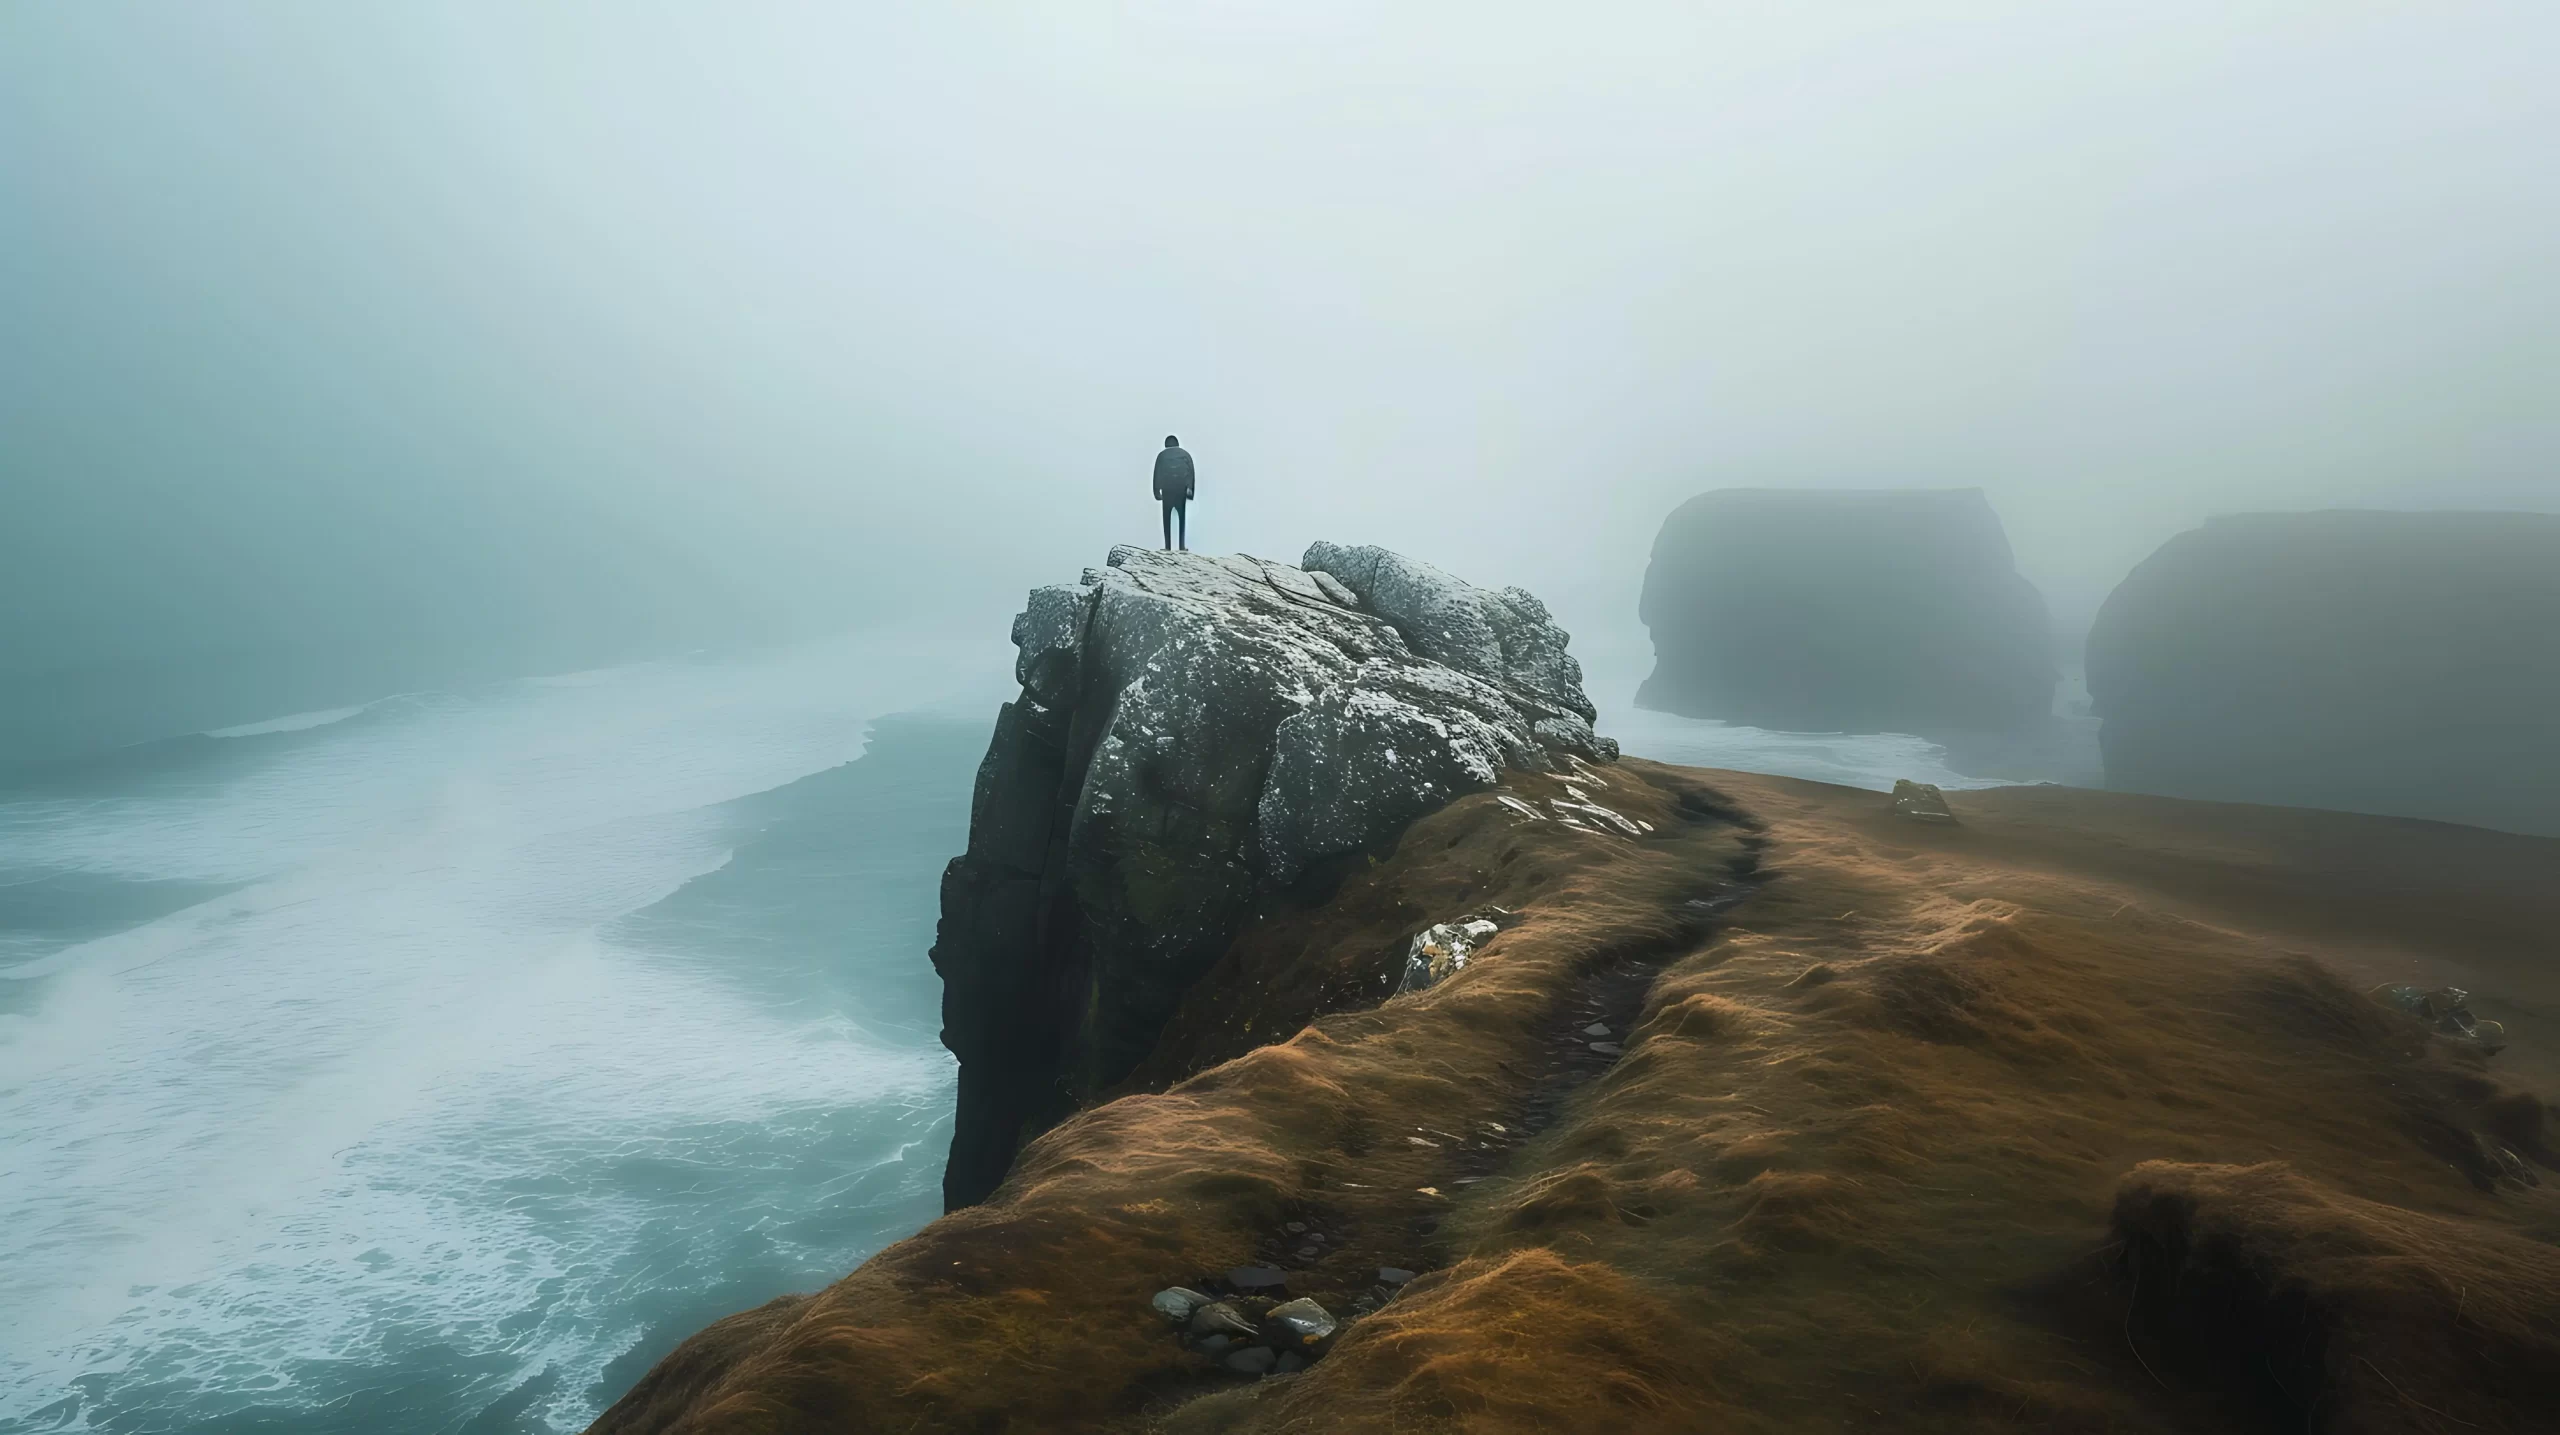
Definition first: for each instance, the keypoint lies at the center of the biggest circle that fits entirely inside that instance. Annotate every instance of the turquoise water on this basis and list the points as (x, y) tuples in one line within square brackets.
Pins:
[(436, 1065)]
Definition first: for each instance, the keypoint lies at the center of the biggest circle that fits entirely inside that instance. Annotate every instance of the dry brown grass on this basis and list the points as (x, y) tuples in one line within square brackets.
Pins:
[(1874, 1157), (2338, 1313)]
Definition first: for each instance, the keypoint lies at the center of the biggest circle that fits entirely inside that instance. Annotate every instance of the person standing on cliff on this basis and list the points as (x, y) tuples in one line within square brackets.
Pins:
[(1174, 483)]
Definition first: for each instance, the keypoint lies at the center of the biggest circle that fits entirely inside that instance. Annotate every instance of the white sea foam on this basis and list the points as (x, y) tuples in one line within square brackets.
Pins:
[(1869, 760), (392, 1092), (292, 722), (1874, 761)]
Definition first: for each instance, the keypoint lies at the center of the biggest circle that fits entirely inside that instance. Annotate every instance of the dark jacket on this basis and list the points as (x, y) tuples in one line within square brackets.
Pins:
[(1173, 474)]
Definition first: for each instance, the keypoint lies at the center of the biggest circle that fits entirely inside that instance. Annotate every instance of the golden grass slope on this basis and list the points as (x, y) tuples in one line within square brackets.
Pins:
[(1937, 1131)]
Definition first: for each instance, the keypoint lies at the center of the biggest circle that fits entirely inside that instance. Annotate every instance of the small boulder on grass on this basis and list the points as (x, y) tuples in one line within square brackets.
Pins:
[(1922, 802)]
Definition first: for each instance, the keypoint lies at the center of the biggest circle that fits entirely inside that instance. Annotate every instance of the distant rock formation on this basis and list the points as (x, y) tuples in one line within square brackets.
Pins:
[(2401, 663), (1195, 734), (1813, 610)]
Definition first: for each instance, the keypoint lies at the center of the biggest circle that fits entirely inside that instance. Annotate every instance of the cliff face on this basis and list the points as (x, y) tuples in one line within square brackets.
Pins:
[(1196, 737), (2403, 663), (1856, 611)]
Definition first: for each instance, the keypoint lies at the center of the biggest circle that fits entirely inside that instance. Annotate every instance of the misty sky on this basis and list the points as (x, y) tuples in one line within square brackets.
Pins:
[(337, 323)]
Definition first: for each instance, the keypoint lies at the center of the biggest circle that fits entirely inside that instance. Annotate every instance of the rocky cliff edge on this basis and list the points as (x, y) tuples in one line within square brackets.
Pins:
[(1198, 736)]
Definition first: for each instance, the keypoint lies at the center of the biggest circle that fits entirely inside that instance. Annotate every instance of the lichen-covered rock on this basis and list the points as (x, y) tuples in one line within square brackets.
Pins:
[(1049, 638), (1194, 734), (1375, 752), (1922, 802), (1441, 951), (1505, 637)]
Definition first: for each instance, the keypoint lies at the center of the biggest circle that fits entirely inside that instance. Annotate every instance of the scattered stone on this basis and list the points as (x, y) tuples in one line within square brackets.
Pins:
[(1922, 802), (1578, 813), (2512, 1165), (1308, 1253), (2448, 1010), (1285, 1338), (1220, 1318), (1257, 1280), (1302, 1325), (1177, 1304), (1391, 1276), (1442, 951), (1597, 1028), (1252, 1360), (1607, 1048), (1418, 1141), (1295, 1228)]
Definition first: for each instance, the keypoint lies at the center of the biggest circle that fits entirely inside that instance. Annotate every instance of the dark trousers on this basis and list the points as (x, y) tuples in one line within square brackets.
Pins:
[(1177, 517)]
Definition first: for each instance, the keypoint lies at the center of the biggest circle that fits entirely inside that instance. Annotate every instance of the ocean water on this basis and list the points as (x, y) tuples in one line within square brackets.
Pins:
[(1870, 760), (436, 1065)]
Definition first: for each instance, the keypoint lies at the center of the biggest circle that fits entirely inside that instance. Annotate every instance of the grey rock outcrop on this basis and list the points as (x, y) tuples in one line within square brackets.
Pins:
[(1845, 610), (1196, 734), (1504, 637), (2399, 663)]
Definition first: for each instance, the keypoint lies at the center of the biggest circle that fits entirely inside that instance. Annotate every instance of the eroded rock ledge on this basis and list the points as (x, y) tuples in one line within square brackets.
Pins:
[(1197, 736)]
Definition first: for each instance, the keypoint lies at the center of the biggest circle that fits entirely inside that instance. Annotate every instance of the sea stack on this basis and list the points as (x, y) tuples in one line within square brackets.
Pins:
[(1197, 737), (2400, 663), (1886, 610)]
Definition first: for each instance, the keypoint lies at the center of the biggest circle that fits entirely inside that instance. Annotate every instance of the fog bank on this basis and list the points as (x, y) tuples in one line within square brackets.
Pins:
[(384, 344)]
